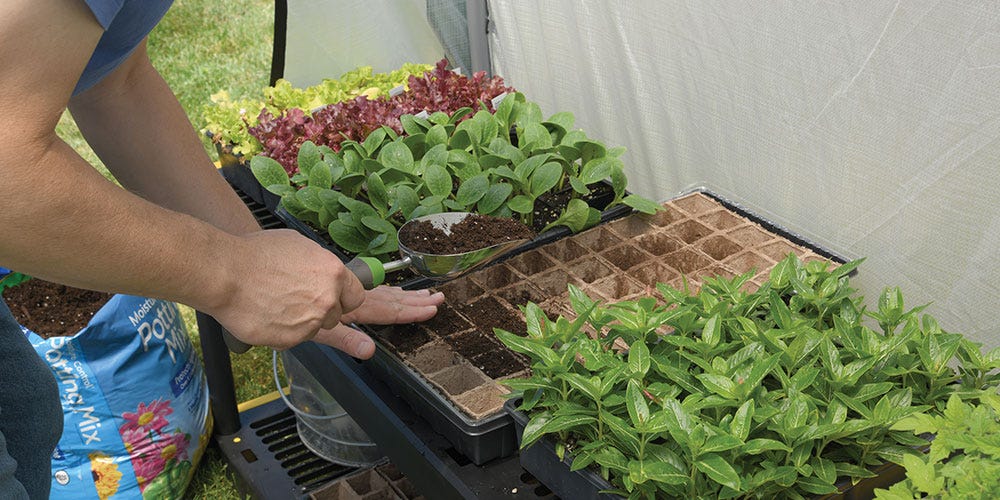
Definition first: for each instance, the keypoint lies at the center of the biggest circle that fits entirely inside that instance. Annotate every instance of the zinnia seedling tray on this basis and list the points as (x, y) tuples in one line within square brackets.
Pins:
[(450, 368), (600, 200)]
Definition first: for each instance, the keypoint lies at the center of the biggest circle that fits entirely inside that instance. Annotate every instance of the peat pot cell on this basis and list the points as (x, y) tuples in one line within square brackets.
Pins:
[(658, 243), (481, 401), (625, 257), (780, 249), (687, 260), (695, 204), (473, 343), (530, 263), (447, 321), (499, 363), (654, 273), (521, 293), (722, 219), (553, 282), (458, 379), (691, 231), (745, 261), (750, 235), (665, 217), (719, 247), (365, 485), (590, 270), (404, 338), (597, 238), (461, 290), (617, 287), (631, 226), (565, 250), (494, 277), (396, 478), (434, 357), (488, 313)]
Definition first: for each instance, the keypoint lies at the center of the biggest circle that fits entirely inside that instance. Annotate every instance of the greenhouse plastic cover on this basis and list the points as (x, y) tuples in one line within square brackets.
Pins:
[(871, 129)]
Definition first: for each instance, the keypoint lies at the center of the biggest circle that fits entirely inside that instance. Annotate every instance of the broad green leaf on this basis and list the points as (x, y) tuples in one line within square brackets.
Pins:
[(564, 119), (347, 237), (624, 433), (494, 197), (396, 155), (529, 347), (824, 469), (719, 470), (320, 176), (635, 401), (534, 136), (309, 198), (815, 485), (638, 359), (438, 180), (544, 178), (718, 384), (377, 194), (575, 216), (722, 442), (588, 149), (598, 169), (405, 199), (472, 190), (268, 172), (374, 141), (743, 420), (521, 204), (711, 334), (534, 429), (378, 225), (307, 157), (763, 445), (524, 169), (642, 471), (641, 204), (589, 387)]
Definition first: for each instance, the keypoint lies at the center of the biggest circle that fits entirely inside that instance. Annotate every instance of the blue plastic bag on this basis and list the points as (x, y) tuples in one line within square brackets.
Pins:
[(136, 416)]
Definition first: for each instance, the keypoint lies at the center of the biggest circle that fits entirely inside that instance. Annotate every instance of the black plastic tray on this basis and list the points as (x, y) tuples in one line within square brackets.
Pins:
[(541, 461), (239, 176), (480, 440), (414, 282)]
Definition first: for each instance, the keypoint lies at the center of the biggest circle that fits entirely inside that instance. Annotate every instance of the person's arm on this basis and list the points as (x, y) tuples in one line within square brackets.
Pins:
[(62, 221)]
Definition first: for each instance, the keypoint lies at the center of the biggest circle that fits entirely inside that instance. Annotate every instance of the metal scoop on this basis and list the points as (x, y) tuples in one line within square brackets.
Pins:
[(371, 271)]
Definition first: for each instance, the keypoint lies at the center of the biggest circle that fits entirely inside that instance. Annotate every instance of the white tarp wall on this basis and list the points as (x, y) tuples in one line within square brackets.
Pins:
[(869, 128)]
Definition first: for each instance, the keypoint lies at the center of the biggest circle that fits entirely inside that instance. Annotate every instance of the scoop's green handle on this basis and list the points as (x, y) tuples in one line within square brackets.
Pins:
[(369, 270)]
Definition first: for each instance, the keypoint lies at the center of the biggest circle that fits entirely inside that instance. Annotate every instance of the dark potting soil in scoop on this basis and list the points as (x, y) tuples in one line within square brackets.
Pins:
[(53, 310), (472, 233)]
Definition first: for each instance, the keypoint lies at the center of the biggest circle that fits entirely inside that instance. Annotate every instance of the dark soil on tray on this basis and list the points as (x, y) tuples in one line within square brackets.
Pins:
[(472, 233), (53, 310)]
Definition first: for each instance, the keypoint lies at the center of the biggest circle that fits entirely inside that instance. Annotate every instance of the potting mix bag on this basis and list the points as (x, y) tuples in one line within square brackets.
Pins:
[(135, 403)]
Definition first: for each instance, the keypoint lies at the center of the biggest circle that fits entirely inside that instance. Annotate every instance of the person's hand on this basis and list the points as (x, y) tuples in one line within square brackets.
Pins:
[(383, 305), (283, 289)]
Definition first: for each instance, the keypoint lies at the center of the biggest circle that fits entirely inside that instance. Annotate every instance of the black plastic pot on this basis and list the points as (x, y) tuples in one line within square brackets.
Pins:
[(541, 461)]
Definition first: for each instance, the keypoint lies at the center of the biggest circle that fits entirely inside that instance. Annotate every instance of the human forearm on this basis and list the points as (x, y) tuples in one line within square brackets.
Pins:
[(63, 221), (136, 126)]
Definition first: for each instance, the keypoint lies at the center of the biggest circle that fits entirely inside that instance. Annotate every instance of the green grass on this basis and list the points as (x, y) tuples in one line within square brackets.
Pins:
[(201, 47)]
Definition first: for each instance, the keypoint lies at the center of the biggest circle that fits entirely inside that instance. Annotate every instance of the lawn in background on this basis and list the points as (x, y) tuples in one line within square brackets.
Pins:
[(201, 47)]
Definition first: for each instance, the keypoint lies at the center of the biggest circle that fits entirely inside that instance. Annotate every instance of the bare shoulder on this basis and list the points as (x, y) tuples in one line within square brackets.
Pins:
[(44, 46)]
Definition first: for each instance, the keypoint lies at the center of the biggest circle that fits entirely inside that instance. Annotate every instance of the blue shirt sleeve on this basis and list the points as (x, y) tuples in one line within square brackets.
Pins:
[(126, 24)]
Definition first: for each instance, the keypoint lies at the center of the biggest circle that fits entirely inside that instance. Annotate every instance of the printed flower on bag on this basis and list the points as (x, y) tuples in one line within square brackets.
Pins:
[(150, 449), (149, 418)]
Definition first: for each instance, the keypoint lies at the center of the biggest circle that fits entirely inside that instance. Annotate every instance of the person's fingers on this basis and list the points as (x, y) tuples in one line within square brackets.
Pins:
[(390, 307), (347, 339), (352, 295)]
